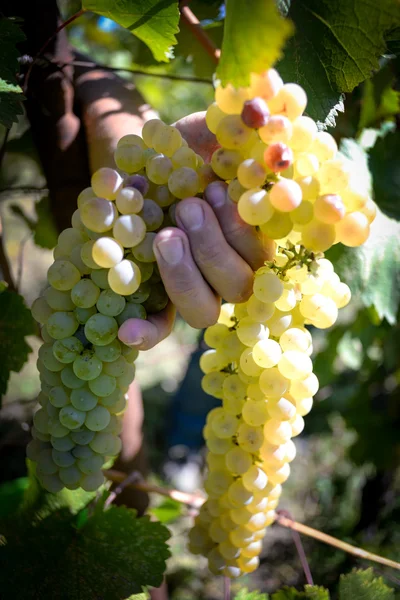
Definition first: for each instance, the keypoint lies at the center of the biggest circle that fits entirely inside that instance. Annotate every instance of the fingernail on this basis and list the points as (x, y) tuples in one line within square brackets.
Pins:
[(215, 194), (134, 341), (171, 250), (191, 215)]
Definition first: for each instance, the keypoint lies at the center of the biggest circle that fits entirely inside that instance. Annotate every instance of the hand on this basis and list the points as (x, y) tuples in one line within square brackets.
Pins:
[(211, 254)]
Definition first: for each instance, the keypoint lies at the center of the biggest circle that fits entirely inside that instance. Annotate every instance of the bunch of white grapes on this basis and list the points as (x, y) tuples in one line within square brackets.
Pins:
[(289, 180), (287, 177), (103, 274), (259, 366)]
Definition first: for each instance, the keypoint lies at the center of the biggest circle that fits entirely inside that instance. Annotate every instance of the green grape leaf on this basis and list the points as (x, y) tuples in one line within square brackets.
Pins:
[(10, 93), (244, 594), (364, 586), (113, 555), (336, 46), (254, 35), (16, 323), (169, 510), (384, 166), (311, 592), (380, 102), (154, 22)]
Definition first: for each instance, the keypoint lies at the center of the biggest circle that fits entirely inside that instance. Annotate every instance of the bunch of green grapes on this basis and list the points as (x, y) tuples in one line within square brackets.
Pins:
[(259, 366), (290, 181), (103, 274), (287, 177)]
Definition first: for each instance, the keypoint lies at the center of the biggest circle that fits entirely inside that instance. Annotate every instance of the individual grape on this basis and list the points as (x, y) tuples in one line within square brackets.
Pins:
[(318, 236), (90, 464), (131, 311), (130, 354), (250, 438), (334, 176), (48, 359), (273, 383), (152, 215), (353, 229), (87, 256), (124, 278), (232, 133), (110, 303), (100, 278), (277, 431), (92, 482), (85, 194), (83, 399), (97, 419), (58, 396), (295, 365), (255, 113), (255, 480), (70, 475), (251, 174), (285, 195), (235, 189), (117, 367), (238, 461), (184, 157), (103, 385), (98, 214), (213, 117), (225, 163), (290, 101), (144, 252), (68, 239), (231, 100), (71, 418), (62, 325), (324, 146), (87, 366), (297, 425), (83, 314), (281, 409), (250, 332), (107, 252), (265, 85), (224, 425), (104, 443), (159, 168), (259, 311), (85, 293), (62, 459), (101, 330), (248, 364), (277, 129), (131, 139), (109, 352), (278, 226), (278, 157), (304, 133), (63, 275), (288, 299), (305, 388), (129, 231), (129, 158), (166, 140), (76, 259), (106, 182), (238, 494), (303, 214), (267, 353), (255, 207), (304, 406), (184, 182), (58, 300), (255, 412), (306, 164), (280, 475), (267, 287), (81, 437)]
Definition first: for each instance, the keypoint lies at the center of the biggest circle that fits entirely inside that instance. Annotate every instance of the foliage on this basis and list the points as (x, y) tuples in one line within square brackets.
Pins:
[(10, 92), (335, 47), (16, 323), (99, 548), (43, 229), (311, 592), (152, 21), (253, 40), (169, 510), (363, 586)]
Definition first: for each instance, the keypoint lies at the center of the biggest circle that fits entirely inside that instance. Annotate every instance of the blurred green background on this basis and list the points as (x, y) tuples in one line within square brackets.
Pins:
[(346, 478)]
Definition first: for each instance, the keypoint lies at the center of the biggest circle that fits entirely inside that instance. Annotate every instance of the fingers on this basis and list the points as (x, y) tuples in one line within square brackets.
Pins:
[(185, 286), (252, 245), (145, 334), (227, 273), (195, 131)]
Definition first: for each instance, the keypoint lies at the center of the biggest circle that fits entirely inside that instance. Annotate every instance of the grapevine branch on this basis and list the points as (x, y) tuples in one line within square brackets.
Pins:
[(190, 19), (196, 500)]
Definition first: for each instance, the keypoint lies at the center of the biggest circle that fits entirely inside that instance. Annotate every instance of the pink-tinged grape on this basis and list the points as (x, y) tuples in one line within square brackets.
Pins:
[(152, 215), (285, 195), (278, 157), (329, 208), (277, 129), (255, 113), (353, 229), (266, 85), (139, 182), (106, 182)]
